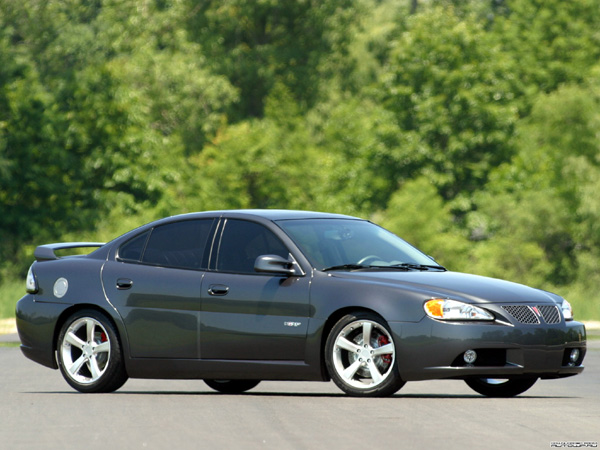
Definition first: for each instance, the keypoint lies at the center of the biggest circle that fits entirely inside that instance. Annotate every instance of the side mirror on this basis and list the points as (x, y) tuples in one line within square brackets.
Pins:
[(274, 264)]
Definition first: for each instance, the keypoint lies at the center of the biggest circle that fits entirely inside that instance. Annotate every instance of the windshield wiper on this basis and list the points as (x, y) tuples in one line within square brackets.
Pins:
[(416, 266), (346, 266), (401, 266)]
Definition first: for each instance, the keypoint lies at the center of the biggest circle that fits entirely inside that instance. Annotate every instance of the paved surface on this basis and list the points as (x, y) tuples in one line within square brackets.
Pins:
[(39, 410), (10, 337)]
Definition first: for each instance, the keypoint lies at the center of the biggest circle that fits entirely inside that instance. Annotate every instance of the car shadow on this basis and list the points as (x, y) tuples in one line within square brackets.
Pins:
[(309, 395)]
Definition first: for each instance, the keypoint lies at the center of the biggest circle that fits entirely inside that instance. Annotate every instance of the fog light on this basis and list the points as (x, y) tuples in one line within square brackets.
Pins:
[(470, 356), (574, 356)]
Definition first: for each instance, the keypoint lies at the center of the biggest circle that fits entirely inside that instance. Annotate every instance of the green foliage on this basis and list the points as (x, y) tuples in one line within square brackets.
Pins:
[(583, 293), (257, 44), (90, 121), (259, 163), (469, 128), (547, 195), (163, 75), (512, 259), (417, 213), (356, 140), (453, 91), (554, 41), (10, 292)]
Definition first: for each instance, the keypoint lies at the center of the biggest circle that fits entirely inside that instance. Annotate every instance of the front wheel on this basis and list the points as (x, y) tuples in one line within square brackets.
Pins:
[(232, 386), (89, 353), (494, 387), (360, 356)]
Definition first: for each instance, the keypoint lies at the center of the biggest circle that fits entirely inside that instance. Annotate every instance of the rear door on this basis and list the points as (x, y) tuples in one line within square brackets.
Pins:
[(155, 284), (248, 315)]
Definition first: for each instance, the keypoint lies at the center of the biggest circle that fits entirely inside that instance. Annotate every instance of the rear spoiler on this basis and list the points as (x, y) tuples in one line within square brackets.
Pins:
[(46, 252)]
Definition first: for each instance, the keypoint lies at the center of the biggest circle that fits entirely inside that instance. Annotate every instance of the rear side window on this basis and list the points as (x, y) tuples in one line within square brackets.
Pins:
[(132, 249), (179, 245)]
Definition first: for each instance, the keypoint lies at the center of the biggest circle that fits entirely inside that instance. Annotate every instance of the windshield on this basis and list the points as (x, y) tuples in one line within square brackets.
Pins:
[(333, 243)]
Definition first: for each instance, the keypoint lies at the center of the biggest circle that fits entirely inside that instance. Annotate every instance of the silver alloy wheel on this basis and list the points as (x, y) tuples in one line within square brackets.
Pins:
[(364, 354), (85, 350)]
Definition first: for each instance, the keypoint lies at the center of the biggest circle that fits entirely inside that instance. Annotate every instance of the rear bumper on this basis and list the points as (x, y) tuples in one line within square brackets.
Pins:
[(433, 349), (36, 324)]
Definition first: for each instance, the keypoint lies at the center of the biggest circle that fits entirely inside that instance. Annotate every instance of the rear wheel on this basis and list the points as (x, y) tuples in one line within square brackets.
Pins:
[(232, 386), (89, 353), (500, 387), (361, 356)]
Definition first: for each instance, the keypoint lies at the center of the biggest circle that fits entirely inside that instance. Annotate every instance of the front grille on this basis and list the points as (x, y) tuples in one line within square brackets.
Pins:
[(550, 314), (530, 316), (522, 314)]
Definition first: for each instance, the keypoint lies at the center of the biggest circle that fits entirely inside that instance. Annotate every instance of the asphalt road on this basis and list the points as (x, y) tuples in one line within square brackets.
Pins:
[(39, 410)]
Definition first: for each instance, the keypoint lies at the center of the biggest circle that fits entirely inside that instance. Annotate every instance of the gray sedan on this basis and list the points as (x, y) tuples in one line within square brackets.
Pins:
[(235, 297)]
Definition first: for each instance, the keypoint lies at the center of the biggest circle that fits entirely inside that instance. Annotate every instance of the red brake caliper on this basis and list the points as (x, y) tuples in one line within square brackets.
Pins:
[(103, 337), (381, 341)]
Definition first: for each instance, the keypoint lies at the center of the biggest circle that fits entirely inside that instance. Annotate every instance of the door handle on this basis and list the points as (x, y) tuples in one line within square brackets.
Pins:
[(218, 289), (124, 283)]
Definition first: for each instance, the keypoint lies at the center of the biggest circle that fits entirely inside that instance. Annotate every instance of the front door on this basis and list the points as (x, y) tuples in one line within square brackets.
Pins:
[(247, 315)]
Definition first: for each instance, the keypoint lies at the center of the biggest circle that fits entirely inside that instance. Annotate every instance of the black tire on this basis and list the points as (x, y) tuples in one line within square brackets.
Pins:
[(232, 386), (491, 387), (358, 368), (89, 353)]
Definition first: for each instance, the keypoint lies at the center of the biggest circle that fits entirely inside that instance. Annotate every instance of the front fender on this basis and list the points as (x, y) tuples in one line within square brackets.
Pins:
[(393, 303)]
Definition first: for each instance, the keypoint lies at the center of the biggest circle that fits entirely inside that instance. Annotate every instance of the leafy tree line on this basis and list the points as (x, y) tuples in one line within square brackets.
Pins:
[(470, 128)]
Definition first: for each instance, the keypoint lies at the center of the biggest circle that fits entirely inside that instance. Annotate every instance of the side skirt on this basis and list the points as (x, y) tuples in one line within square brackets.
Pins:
[(184, 369)]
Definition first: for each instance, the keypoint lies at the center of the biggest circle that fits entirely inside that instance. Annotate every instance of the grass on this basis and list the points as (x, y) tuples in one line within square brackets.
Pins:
[(9, 344)]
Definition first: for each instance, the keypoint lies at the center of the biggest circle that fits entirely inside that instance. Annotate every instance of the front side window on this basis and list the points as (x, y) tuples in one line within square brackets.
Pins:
[(179, 245), (242, 242)]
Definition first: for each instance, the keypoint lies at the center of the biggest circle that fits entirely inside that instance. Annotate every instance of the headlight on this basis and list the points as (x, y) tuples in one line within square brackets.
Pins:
[(567, 310), (31, 282), (445, 309)]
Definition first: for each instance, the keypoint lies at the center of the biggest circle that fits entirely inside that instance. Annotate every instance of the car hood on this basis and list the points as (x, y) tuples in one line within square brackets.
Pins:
[(456, 285)]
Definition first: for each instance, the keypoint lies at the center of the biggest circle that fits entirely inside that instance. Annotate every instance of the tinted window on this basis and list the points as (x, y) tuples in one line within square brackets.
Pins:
[(132, 249), (179, 244), (332, 242), (242, 242)]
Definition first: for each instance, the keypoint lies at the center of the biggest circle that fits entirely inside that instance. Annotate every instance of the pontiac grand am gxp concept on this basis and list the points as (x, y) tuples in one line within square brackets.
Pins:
[(235, 297)]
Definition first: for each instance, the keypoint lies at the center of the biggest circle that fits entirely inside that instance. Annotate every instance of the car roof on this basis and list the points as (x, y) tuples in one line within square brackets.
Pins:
[(264, 214), (269, 214)]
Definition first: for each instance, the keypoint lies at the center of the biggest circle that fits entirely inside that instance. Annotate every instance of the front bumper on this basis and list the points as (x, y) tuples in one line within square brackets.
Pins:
[(433, 349)]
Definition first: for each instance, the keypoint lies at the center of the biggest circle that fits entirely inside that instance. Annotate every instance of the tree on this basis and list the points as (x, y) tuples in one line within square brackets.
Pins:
[(555, 42), (543, 197), (97, 111), (453, 91), (258, 44), (418, 214)]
